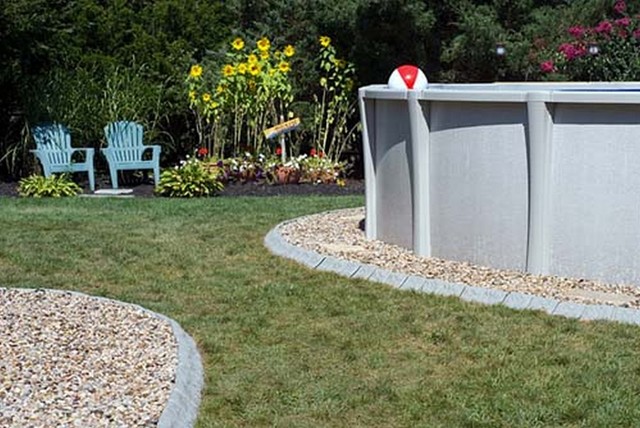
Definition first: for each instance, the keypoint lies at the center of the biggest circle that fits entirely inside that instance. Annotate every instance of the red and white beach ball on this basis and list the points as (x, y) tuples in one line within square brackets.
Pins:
[(407, 77)]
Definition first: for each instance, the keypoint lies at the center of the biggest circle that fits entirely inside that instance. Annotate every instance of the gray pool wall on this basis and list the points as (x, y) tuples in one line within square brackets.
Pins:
[(543, 178)]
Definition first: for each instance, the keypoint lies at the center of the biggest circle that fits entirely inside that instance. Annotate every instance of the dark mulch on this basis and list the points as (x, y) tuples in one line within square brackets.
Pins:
[(145, 189)]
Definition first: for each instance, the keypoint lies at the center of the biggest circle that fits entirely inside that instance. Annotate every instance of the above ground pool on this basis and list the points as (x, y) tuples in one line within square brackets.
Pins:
[(538, 177)]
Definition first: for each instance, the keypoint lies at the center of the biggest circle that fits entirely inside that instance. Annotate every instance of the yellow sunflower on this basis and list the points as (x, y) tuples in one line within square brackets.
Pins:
[(220, 89), (252, 59), (284, 67), (196, 71), (325, 41), (228, 70), (242, 68), (206, 97), (289, 51), (238, 44), (214, 105), (263, 44), (264, 55), (254, 69)]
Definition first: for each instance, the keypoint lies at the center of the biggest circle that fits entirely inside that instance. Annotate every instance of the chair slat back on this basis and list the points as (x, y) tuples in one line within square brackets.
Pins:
[(127, 139), (54, 141)]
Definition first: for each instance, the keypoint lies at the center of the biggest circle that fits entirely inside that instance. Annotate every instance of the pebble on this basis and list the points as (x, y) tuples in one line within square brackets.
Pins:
[(338, 233), (68, 360)]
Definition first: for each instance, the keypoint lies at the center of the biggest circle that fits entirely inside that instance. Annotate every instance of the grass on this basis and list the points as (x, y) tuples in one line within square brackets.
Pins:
[(289, 347)]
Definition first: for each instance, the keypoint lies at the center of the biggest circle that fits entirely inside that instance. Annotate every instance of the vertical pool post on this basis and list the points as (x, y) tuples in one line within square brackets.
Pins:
[(540, 127), (420, 170), (367, 116)]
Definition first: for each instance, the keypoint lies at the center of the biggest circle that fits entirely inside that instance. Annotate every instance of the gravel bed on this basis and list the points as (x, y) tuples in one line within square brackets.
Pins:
[(339, 233), (68, 360)]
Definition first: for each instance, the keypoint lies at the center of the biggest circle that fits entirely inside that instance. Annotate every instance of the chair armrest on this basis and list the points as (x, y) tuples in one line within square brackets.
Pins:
[(155, 150), (88, 152)]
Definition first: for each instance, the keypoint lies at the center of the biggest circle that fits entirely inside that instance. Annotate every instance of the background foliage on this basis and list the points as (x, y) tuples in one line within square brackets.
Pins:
[(86, 62)]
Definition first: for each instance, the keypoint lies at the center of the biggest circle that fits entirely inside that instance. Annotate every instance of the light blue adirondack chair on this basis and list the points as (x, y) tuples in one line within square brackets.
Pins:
[(54, 151), (125, 150)]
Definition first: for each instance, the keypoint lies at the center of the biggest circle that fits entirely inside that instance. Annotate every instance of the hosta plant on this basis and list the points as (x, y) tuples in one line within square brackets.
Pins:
[(55, 186), (192, 178)]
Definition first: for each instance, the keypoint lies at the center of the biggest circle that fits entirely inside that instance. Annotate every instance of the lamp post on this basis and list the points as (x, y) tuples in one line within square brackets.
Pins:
[(501, 51)]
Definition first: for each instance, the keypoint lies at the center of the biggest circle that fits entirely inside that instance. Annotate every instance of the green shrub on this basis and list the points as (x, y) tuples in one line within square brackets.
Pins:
[(55, 186), (193, 178)]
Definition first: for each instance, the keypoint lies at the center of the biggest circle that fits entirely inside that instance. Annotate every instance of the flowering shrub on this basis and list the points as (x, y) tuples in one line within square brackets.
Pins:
[(318, 168), (249, 93), (253, 91), (335, 106), (192, 178), (608, 50)]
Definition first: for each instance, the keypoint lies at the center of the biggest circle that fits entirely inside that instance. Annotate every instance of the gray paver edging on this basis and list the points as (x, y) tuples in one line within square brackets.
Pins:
[(181, 410), (278, 245)]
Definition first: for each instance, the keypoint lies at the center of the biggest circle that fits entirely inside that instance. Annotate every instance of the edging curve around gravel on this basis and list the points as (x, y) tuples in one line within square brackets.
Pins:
[(182, 406), (278, 245)]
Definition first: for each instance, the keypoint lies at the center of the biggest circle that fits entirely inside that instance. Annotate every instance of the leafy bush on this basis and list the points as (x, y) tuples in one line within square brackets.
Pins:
[(192, 178), (607, 51), (55, 186)]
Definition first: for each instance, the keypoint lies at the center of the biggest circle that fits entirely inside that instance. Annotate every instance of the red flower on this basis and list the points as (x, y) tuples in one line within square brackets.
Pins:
[(313, 153), (577, 31), (623, 22), (620, 6), (278, 151), (604, 27), (202, 151), (547, 66)]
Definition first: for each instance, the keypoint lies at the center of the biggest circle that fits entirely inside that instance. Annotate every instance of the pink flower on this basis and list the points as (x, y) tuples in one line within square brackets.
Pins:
[(623, 22), (604, 27), (636, 33), (568, 50), (577, 31), (620, 6), (278, 151), (547, 66), (312, 152)]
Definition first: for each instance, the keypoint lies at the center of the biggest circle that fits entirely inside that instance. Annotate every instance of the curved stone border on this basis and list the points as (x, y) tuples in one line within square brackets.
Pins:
[(182, 407), (488, 296)]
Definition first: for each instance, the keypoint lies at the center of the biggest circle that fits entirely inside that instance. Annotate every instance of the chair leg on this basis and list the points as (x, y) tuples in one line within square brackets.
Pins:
[(156, 175), (114, 177), (92, 180)]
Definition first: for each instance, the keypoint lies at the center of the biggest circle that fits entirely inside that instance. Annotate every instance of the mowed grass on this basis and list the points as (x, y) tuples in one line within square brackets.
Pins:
[(287, 346)]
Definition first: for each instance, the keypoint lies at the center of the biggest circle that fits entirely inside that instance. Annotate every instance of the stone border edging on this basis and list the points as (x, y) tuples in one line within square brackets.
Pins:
[(182, 406), (488, 296)]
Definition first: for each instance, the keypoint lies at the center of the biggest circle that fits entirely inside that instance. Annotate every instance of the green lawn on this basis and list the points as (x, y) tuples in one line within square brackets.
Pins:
[(290, 347)]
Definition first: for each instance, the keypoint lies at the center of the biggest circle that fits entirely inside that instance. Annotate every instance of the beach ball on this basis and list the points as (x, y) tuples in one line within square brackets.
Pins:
[(407, 77)]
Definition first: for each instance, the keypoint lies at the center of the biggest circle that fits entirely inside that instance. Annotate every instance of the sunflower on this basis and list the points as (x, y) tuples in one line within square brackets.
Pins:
[(214, 105), (263, 44), (220, 89), (284, 67), (196, 71), (289, 51), (264, 55), (252, 59), (254, 69), (238, 44), (325, 41), (242, 68), (228, 70), (206, 97)]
